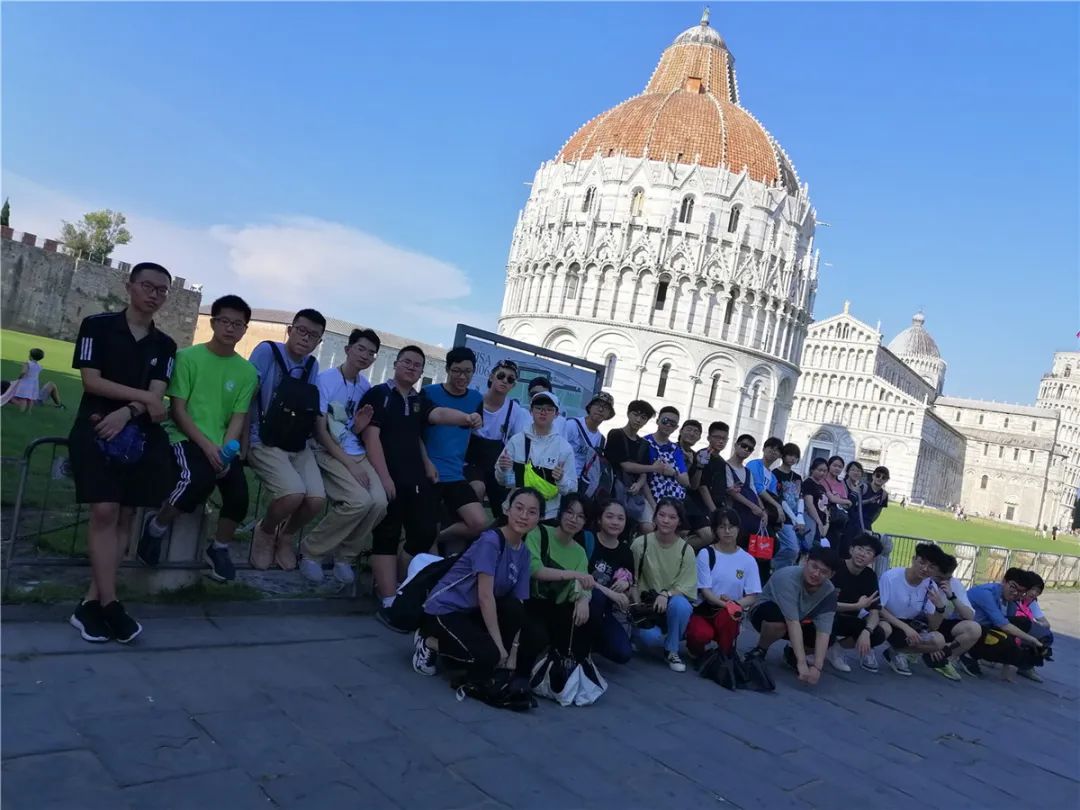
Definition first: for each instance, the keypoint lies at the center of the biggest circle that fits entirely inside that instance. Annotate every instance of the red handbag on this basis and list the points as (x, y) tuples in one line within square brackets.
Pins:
[(762, 546)]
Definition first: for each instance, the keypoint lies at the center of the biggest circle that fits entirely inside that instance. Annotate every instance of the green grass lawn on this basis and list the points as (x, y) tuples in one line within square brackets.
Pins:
[(934, 525)]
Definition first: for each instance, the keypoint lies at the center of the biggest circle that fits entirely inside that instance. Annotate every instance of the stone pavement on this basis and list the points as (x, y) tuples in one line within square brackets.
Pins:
[(325, 712)]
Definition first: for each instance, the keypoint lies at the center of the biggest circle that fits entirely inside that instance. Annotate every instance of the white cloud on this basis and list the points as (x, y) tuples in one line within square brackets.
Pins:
[(287, 263)]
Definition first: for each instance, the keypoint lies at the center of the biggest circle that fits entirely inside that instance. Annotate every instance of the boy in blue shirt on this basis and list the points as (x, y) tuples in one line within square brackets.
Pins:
[(992, 604)]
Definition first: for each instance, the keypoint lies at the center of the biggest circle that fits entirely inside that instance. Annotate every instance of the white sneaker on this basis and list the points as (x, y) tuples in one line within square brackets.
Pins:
[(343, 573), (869, 662), (898, 661), (835, 656), (675, 663), (311, 570), (423, 659)]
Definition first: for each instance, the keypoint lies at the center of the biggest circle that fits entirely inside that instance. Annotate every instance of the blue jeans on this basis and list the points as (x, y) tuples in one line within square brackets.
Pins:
[(676, 618), (787, 552), (611, 638)]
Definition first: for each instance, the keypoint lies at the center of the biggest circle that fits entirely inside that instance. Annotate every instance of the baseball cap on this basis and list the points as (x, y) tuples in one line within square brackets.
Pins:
[(544, 396)]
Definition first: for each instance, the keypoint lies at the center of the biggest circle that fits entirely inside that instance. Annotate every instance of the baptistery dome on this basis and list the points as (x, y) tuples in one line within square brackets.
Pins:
[(920, 351), (671, 240)]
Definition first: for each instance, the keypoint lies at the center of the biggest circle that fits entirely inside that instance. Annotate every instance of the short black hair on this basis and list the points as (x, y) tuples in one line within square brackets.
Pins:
[(729, 516), (854, 464), (231, 302), (774, 443), (642, 407), (746, 437), (460, 354), (948, 563), (719, 426), (818, 462), (142, 267), (1037, 582), (364, 334), (413, 349), (692, 423), (312, 315), (932, 553), (791, 449), (1017, 575), (883, 471), (826, 556), (669, 409), (37, 354), (543, 382), (870, 541)]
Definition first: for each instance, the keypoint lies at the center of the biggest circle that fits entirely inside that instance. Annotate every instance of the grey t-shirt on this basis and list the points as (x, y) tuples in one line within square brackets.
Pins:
[(785, 588)]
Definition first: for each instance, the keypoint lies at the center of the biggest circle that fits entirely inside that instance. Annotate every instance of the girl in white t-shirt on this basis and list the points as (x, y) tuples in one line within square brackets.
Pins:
[(728, 584)]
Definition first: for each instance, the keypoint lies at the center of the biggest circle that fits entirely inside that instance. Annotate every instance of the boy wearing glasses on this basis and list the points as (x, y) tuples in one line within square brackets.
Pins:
[(209, 397), (283, 415), (543, 385), (672, 480), (357, 499), (125, 363), (455, 411), (503, 417)]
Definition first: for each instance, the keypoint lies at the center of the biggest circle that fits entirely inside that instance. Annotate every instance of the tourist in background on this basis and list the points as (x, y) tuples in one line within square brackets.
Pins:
[(27, 388), (503, 417), (282, 418), (118, 451), (357, 500), (666, 583)]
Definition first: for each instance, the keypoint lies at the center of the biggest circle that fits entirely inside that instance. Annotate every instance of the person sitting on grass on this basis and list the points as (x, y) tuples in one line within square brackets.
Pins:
[(993, 603), (557, 613), (611, 564), (858, 622), (666, 582), (474, 613), (27, 391), (912, 610), (49, 392), (1028, 607), (726, 574), (209, 397), (960, 631), (798, 603)]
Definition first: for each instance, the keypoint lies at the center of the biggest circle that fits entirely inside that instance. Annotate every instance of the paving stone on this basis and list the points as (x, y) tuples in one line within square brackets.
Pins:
[(33, 725), (331, 717), (325, 788), (233, 789), (59, 781), (446, 738), (150, 745), (519, 782)]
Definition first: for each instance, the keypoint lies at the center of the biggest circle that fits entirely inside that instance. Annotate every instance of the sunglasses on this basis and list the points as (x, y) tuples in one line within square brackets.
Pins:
[(510, 378), (668, 422), (882, 477), (747, 447)]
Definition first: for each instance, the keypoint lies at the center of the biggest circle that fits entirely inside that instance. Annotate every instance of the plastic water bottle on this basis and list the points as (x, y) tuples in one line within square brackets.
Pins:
[(230, 451)]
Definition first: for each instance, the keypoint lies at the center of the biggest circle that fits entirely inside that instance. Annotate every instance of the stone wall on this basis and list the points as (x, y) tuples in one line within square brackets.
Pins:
[(49, 293)]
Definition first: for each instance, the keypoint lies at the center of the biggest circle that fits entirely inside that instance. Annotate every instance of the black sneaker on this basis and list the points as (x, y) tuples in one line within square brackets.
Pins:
[(149, 548), (970, 666), (124, 628), (90, 622), (221, 564)]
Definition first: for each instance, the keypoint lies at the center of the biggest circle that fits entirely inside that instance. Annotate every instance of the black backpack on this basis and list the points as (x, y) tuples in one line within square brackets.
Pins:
[(289, 420), (406, 612)]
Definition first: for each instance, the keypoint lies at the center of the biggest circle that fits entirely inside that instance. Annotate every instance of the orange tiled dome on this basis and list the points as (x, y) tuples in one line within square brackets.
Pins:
[(689, 113)]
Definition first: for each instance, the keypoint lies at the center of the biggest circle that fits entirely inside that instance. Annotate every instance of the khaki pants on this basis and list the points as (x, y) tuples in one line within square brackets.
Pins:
[(285, 473), (345, 532)]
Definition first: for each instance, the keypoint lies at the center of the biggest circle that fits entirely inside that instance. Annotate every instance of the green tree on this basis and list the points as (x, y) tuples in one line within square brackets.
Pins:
[(97, 236), (5, 213)]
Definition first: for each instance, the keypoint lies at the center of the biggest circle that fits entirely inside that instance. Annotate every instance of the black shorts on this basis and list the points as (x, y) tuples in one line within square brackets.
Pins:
[(947, 626), (770, 612), (196, 479), (455, 494), (414, 509), (99, 480)]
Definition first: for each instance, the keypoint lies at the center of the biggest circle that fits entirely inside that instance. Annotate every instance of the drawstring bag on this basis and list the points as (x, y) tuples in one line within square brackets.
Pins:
[(569, 682), (762, 546), (126, 447)]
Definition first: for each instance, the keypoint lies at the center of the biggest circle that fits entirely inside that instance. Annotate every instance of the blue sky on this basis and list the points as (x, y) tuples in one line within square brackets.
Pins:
[(370, 159)]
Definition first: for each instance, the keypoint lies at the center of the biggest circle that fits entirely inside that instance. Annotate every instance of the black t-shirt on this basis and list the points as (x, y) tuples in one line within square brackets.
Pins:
[(872, 504), (715, 478), (817, 492), (849, 586), (620, 448), (401, 424), (789, 487), (105, 342), (606, 561)]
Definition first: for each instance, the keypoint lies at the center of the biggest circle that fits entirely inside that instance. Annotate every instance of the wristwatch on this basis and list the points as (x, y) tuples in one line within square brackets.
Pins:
[(133, 410), (939, 610), (952, 597)]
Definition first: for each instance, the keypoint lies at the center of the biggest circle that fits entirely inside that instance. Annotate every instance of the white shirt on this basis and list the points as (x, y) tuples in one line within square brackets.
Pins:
[(960, 592), (902, 600), (586, 447), (734, 575), (339, 399), (494, 421)]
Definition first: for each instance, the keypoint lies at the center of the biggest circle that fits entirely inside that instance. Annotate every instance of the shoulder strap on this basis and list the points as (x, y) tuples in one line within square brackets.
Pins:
[(644, 549), (712, 557), (506, 421), (545, 547), (528, 448), (590, 544), (307, 368), (277, 356)]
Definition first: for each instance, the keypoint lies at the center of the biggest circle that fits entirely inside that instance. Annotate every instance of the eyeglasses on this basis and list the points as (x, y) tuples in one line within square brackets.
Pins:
[(461, 372), (668, 422), (363, 350), (749, 448), (229, 323), (510, 378), (414, 365), (544, 408), (306, 333), (574, 515), (154, 289)]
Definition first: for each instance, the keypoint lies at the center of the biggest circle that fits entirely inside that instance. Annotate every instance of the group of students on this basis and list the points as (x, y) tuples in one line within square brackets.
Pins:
[(601, 544)]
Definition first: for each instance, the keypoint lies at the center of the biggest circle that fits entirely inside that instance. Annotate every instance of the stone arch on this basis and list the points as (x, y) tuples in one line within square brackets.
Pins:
[(524, 331), (562, 340)]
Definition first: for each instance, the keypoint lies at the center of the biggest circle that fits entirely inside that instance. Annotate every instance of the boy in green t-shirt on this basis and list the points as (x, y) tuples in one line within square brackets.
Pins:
[(210, 394)]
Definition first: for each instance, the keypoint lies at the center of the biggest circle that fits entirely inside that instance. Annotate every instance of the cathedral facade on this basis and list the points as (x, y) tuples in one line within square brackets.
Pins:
[(671, 240)]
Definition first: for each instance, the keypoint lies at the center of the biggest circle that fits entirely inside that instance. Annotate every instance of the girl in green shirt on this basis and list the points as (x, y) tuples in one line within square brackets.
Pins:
[(557, 612), (667, 578)]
